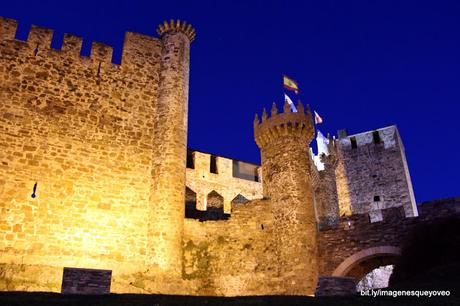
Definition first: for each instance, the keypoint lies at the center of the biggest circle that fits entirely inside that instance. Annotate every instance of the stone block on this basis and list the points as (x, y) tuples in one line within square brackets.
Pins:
[(335, 286), (86, 281)]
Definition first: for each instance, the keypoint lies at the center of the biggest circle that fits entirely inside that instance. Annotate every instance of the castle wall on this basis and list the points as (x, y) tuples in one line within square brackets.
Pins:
[(203, 182), (373, 176), (343, 188), (82, 128), (326, 202), (233, 257), (93, 175), (357, 233)]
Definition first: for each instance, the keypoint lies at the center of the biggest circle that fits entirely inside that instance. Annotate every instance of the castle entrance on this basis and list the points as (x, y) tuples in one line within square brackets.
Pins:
[(372, 267)]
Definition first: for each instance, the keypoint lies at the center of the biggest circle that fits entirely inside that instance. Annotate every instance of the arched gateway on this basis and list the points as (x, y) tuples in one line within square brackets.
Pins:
[(364, 261)]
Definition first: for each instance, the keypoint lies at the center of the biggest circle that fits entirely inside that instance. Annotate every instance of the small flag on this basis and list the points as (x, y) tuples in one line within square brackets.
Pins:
[(290, 84), (289, 101), (318, 119)]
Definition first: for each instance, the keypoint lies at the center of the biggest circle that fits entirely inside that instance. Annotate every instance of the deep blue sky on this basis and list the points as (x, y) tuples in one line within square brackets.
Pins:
[(361, 64)]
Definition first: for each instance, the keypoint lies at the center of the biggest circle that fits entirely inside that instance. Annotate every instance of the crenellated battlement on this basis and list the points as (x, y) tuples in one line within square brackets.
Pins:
[(40, 38), (385, 137), (8, 28), (101, 52), (72, 44), (177, 26), (298, 123)]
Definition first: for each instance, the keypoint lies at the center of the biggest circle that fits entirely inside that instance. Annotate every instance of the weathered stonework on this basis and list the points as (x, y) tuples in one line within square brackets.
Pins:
[(86, 131), (284, 140), (86, 281), (373, 173), (167, 194), (358, 245), (235, 256), (327, 209), (335, 286), (201, 181), (94, 175)]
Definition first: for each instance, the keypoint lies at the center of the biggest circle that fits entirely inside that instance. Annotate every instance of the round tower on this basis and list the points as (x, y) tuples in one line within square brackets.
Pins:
[(170, 148), (284, 140)]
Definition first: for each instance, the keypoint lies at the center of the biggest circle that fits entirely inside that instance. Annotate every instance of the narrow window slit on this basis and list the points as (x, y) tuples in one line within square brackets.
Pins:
[(376, 137), (190, 159), (213, 165), (36, 50), (354, 144), (34, 191), (99, 70)]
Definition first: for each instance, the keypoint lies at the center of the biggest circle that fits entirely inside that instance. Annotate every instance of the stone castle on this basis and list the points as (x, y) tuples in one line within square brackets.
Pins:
[(95, 175)]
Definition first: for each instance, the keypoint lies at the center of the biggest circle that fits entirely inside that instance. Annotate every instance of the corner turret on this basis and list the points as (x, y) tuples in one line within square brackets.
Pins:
[(167, 199)]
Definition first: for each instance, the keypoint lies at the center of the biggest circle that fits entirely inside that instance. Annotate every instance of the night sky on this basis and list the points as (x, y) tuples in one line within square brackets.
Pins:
[(361, 65)]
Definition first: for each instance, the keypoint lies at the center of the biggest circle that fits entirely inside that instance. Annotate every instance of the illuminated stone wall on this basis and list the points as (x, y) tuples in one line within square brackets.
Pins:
[(373, 174), (202, 181), (326, 201), (233, 257), (82, 128), (110, 172), (167, 196), (102, 148), (284, 139)]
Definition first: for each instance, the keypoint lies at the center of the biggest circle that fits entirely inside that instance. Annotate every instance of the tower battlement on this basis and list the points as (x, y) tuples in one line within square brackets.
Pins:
[(177, 26), (277, 125)]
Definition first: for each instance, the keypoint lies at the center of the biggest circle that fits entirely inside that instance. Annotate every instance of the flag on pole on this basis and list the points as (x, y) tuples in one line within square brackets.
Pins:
[(318, 119), (290, 84), (289, 101)]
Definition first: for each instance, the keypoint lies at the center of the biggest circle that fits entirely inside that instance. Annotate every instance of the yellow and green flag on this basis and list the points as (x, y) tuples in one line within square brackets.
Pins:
[(290, 84)]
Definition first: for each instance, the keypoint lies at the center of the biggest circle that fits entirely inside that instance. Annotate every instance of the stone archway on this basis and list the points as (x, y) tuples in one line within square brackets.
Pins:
[(214, 207), (239, 199), (364, 261), (190, 204)]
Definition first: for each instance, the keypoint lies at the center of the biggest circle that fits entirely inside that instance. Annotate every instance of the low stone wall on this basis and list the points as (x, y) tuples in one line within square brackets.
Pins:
[(86, 281), (335, 286), (232, 257)]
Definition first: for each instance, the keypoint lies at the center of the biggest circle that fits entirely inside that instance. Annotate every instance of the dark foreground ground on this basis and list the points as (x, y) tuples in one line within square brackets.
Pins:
[(35, 299), (446, 277)]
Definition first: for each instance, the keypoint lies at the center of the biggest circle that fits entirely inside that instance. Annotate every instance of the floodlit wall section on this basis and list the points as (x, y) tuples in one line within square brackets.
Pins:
[(201, 180)]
